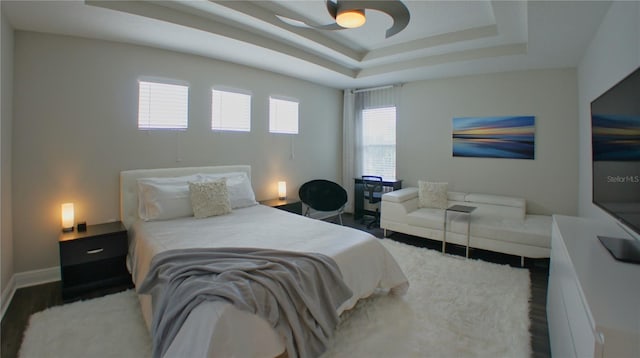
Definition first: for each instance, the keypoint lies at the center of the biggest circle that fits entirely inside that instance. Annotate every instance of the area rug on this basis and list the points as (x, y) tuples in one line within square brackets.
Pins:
[(454, 308)]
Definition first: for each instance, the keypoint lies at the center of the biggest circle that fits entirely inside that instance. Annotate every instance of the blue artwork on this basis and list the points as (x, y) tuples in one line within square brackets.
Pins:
[(494, 137), (615, 137)]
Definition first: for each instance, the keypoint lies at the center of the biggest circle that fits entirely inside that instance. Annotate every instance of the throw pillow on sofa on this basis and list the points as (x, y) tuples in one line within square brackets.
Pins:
[(432, 194)]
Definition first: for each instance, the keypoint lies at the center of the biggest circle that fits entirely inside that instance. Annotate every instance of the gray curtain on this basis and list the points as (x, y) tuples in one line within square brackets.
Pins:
[(354, 102)]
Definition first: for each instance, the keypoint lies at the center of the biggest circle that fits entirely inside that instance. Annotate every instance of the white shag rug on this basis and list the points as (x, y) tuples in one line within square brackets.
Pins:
[(454, 308)]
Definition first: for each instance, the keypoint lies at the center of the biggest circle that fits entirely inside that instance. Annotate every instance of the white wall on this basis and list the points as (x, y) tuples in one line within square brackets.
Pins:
[(75, 114), (6, 79), (613, 53), (424, 143)]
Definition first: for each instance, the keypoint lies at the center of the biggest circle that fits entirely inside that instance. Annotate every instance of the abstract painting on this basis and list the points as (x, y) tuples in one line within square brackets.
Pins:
[(494, 137)]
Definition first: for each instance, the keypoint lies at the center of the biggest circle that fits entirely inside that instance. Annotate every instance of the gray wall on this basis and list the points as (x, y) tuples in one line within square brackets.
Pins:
[(613, 53), (6, 79), (75, 114), (424, 145)]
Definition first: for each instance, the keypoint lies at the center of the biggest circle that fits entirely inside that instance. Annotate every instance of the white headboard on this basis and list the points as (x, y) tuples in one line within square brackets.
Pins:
[(129, 184)]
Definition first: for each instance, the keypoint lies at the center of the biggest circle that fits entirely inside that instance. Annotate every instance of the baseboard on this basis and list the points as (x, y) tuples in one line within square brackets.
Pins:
[(36, 277), (7, 294), (26, 279)]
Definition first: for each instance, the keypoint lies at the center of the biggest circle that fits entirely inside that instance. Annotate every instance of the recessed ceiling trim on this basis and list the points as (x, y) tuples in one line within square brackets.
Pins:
[(432, 41), (465, 55), (555, 34), (219, 26), (267, 10)]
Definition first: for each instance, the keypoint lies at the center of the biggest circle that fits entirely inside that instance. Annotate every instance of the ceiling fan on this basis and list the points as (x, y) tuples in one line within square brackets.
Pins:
[(351, 14)]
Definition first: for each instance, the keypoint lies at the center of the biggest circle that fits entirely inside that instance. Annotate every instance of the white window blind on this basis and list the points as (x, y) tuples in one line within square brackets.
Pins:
[(162, 105), (379, 142), (283, 116), (230, 111)]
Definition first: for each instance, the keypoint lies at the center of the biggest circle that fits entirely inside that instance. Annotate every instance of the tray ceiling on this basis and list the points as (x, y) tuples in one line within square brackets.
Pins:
[(443, 38)]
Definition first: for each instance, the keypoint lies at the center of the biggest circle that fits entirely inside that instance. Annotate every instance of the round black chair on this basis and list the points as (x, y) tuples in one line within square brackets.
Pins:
[(323, 195)]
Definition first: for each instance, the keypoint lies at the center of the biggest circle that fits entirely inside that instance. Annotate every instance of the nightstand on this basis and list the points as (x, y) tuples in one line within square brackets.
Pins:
[(93, 259), (290, 205)]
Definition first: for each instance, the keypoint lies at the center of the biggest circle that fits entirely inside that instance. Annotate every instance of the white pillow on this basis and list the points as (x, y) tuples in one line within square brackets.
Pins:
[(432, 195), (168, 198), (209, 198), (164, 198), (241, 193)]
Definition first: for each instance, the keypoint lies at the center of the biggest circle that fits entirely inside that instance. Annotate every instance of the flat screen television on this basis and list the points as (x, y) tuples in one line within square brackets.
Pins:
[(615, 139)]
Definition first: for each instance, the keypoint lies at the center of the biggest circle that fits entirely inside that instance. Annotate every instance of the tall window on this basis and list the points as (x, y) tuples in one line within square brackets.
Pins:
[(162, 105), (283, 116), (379, 142), (230, 111)]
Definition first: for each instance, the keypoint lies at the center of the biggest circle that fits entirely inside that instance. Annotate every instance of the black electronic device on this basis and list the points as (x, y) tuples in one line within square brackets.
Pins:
[(627, 250), (615, 135)]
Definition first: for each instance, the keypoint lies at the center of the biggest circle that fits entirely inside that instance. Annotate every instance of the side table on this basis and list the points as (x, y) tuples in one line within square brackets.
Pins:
[(290, 205), (93, 259), (458, 209)]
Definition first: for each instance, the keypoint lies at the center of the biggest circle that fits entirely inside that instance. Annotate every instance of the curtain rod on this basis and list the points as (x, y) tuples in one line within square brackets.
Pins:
[(358, 90)]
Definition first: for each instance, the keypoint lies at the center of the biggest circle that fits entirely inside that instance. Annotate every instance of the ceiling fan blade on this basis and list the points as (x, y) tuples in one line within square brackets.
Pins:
[(293, 22), (302, 24), (332, 7), (394, 8), (333, 26)]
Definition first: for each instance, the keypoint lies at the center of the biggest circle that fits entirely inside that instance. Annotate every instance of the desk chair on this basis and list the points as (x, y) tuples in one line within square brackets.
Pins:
[(373, 194), (323, 195)]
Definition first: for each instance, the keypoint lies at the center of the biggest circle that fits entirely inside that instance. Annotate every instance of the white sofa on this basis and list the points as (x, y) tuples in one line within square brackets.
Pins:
[(499, 223)]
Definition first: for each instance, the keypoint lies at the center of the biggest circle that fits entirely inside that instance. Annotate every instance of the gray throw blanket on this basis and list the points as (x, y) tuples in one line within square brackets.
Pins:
[(296, 293)]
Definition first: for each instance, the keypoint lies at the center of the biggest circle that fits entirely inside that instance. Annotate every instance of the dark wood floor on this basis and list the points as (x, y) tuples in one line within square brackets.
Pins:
[(29, 300), (26, 301)]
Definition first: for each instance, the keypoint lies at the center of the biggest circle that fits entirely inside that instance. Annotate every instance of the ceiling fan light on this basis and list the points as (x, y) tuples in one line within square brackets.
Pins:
[(351, 18)]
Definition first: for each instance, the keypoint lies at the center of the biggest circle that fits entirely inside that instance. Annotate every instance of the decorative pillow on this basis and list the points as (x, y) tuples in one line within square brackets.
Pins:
[(432, 195), (164, 198), (209, 198), (241, 193)]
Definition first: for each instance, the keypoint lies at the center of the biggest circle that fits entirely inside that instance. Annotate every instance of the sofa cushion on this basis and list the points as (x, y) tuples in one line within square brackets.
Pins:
[(507, 212), (456, 196), (496, 199), (427, 217), (534, 230), (496, 205), (432, 194)]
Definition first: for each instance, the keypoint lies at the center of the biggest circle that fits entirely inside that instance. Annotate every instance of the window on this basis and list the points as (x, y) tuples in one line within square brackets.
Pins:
[(162, 105), (379, 142), (283, 116), (230, 111)]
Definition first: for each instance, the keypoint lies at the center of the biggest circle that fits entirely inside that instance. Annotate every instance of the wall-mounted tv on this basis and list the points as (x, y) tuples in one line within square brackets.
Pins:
[(615, 139)]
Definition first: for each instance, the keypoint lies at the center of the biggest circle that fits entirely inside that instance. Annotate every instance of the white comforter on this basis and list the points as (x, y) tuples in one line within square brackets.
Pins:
[(219, 329)]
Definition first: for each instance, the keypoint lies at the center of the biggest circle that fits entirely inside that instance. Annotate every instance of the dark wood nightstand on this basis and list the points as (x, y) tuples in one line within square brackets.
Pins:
[(290, 205), (93, 259)]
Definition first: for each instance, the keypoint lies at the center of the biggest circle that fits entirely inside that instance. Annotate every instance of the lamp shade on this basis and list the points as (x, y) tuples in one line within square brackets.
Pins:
[(351, 18), (67, 217), (282, 190)]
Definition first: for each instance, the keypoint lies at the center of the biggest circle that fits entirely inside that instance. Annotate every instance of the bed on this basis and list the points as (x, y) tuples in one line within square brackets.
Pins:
[(220, 329)]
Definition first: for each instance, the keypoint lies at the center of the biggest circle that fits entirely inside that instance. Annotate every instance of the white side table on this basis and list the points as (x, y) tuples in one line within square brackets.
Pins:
[(458, 209)]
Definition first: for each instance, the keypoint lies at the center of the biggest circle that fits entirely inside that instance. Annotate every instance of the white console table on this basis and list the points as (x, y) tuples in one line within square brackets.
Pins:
[(593, 301)]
